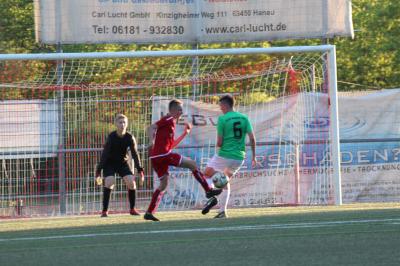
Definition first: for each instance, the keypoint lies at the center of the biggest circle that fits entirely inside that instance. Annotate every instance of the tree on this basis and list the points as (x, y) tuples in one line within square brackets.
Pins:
[(17, 27), (372, 59)]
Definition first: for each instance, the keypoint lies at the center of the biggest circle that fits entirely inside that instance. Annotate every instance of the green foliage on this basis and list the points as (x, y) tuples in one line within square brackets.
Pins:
[(254, 98), (17, 28), (373, 57)]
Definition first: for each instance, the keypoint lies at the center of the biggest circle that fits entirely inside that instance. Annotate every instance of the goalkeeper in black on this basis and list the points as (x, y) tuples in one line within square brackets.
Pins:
[(114, 159)]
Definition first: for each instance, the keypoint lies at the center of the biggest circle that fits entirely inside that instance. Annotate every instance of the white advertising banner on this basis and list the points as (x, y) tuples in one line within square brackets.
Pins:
[(29, 128), (370, 146), (370, 152), (189, 21)]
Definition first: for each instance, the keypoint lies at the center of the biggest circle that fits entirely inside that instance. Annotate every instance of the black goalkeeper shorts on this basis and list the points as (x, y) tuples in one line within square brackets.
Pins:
[(121, 170)]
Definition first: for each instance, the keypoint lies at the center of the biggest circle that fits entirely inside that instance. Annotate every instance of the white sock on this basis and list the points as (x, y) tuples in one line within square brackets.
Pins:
[(224, 198)]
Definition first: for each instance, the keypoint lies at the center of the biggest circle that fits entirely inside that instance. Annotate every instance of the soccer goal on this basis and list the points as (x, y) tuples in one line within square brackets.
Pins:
[(57, 109)]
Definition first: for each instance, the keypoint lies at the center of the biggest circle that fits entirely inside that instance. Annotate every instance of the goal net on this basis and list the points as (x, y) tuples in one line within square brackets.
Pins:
[(56, 111)]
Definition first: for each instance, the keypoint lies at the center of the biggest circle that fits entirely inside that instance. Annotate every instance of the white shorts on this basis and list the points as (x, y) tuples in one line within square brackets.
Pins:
[(219, 163)]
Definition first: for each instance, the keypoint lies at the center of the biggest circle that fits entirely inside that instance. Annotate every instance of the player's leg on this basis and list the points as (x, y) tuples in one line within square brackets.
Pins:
[(208, 173), (209, 204), (131, 185), (214, 164), (109, 182), (223, 200), (198, 175), (129, 179), (156, 198), (160, 166), (232, 167), (229, 167)]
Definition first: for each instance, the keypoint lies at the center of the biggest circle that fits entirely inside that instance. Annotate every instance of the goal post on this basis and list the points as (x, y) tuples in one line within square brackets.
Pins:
[(48, 110), (332, 79)]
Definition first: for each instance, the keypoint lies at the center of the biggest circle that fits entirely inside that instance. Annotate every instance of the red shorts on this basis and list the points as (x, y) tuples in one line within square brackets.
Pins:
[(160, 164)]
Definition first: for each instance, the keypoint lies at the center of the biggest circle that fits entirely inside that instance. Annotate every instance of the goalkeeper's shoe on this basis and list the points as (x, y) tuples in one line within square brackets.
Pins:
[(133, 211), (149, 216), (213, 192), (104, 214), (221, 215), (210, 203)]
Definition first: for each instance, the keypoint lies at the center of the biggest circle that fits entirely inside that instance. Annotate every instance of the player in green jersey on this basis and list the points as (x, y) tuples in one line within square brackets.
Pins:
[(232, 129)]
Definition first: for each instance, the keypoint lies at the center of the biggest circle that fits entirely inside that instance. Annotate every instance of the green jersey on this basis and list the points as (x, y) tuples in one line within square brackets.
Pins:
[(233, 127)]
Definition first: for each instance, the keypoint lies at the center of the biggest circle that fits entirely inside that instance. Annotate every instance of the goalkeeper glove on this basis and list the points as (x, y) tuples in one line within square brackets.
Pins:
[(99, 180)]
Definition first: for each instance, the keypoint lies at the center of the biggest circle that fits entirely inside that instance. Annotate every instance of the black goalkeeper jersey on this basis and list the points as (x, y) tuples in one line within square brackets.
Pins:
[(115, 151)]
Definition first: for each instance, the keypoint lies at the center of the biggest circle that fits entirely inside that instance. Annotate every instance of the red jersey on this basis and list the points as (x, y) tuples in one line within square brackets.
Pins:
[(164, 137)]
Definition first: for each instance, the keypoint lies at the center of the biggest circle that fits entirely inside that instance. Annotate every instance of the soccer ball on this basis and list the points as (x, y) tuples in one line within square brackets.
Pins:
[(220, 180)]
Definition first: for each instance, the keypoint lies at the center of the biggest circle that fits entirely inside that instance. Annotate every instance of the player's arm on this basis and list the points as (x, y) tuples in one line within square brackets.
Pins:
[(188, 128), (151, 132), (103, 159), (252, 139), (220, 140), (220, 132), (136, 159)]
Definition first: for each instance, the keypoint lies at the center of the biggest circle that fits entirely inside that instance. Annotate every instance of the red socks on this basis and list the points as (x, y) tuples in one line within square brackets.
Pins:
[(155, 200), (201, 179)]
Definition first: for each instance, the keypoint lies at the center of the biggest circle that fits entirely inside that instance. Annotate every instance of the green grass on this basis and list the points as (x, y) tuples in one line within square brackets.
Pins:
[(362, 234)]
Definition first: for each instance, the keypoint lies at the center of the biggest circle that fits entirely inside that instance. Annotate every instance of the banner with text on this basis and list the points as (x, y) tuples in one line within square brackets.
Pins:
[(189, 21), (370, 152)]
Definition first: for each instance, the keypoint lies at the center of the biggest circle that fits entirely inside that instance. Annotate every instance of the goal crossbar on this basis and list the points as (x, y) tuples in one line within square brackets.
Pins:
[(47, 92)]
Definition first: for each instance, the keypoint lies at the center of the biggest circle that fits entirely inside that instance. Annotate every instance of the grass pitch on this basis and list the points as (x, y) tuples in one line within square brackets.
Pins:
[(362, 234)]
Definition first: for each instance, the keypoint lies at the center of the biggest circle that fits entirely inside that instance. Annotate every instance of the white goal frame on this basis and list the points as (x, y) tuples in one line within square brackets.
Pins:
[(331, 71)]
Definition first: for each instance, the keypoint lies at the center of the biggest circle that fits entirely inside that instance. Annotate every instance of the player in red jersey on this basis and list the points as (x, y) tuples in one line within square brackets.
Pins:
[(162, 142)]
